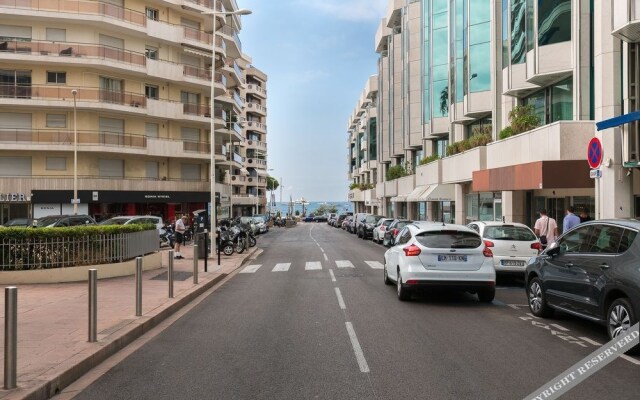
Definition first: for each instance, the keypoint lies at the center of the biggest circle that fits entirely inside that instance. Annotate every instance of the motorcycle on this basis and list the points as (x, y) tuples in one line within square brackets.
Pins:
[(232, 239), (167, 237)]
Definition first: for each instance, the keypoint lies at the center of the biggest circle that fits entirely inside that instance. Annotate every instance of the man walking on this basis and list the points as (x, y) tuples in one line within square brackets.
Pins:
[(180, 229), (584, 215), (570, 220), (546, 229)]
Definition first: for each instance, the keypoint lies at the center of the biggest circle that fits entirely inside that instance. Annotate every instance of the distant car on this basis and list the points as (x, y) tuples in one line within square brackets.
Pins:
[(249, 223), (19, 223), (261, 225), (366, 225), (380, 229), (56, 221), (320, 218), (512, 244), (393, 230), (591, 271), (427, 254), (339, 220), (346, 223), (353, 227), (309, 218), (135, 219)]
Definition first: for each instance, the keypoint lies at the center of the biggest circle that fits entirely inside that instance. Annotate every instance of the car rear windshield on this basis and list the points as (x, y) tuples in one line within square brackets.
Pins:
[(517, 233), (450, 239), (372, 219), (47, 221), (114, 221)]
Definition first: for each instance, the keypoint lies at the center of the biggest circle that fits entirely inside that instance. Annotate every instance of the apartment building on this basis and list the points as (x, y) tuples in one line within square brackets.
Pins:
[(133, 79), (454, 78)]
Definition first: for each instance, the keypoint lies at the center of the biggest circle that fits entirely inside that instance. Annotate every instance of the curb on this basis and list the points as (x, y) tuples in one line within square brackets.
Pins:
[(55, 385)]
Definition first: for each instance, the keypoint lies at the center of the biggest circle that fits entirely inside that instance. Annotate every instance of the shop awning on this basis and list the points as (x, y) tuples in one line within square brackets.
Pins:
[(416, 193), (444, 192), (399, 199), (262, 172)]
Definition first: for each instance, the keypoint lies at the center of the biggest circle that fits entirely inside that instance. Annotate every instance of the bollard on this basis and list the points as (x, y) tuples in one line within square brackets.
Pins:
[(93, 305), (138, 286), (195, 264), (218, 246), (206, 249), (170, 274), (10, 336)]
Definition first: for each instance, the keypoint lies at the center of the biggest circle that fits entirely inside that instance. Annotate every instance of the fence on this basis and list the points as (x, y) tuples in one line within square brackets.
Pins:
[(59, 252)]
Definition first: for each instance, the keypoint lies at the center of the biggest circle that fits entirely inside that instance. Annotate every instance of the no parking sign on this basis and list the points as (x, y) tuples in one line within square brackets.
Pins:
[(594, 153)]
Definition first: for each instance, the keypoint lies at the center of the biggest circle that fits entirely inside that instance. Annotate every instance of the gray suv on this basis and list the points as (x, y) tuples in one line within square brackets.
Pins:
[(591, 271)]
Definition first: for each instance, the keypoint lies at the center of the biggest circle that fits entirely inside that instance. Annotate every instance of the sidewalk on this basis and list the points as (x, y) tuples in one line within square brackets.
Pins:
[(53, 350)]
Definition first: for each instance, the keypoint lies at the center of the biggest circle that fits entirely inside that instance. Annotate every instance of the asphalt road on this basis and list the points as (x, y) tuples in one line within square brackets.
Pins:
[(340, 333)]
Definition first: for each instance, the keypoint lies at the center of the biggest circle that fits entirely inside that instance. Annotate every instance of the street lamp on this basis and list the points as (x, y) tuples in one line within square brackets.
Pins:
[(74, 92), (212, 216)]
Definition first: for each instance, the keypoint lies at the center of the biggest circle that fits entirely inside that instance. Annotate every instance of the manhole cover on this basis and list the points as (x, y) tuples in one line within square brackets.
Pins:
[(177, 276)]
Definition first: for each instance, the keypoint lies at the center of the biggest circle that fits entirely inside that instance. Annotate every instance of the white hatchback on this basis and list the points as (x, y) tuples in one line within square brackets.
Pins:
[(380, 228), (428, 254), (512, 244)]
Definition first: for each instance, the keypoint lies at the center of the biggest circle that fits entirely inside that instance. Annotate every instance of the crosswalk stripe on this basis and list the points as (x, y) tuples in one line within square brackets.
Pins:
[(250, 269), (313, 265), (375, 264), (344, 264), (281, 267)]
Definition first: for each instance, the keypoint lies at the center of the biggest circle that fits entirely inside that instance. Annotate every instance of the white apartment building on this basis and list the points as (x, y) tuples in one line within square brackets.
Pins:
[(141, 71), (450, 73)]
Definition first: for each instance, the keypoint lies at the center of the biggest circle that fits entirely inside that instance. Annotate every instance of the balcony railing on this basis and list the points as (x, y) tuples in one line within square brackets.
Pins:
[(71, 49), (258, 107), (197, 35), (257, 125), (63, 92), (65, 137), (257, 88), (256, 161), (239, 100), (200, 110), (229, 31), (237, 157), (201, 73), (231, 63)]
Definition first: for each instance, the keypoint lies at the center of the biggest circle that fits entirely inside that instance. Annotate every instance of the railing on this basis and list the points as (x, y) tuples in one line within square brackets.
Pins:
[(71, 49), (200, 147), (238, 178), (229, 31), (258, 107), (201, 73), (257, 125), (231, 63), (237, 158), (199, 109), (257, 88), (60, 252), (257, 161), (239, 100), (66, 137), (197, 35), (48, 92), (257, 143)]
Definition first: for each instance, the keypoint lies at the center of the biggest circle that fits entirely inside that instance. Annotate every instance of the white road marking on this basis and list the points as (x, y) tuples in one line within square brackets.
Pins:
[(562, 328), (340, 299), (593, 342), (325, 257), (362, 362), (626, 357), (281, 267), (333, 277), (250, 269), (344, 264), (516, 306), (313, 265), (375, 264), (532, 316), (631, 360)]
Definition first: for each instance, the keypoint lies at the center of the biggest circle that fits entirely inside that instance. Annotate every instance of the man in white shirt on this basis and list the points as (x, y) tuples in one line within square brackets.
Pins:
[(180, 229), (546, 227)]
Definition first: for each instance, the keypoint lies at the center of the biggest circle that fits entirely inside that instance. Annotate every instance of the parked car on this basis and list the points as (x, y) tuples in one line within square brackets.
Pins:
[(340, 220), (353, 227), (331, 218), (56, 221), (261, 225), (393, 230), (18, 223), (591, 271), (346, 223), (512, 244), (320, 218), (309, 218), (136, 219), (427, 254), (380, 229), (366, 225)]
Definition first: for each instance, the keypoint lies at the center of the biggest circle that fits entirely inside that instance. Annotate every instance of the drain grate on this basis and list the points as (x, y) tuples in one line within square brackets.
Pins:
[(177, 276)]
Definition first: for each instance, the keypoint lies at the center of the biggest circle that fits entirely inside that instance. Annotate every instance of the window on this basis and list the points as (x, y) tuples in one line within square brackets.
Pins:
[(152, 169), (111, 90), (151, 129), (14, 32), (439, 59), (575, 241), (15, 166), (440, 147), (57, 78), (449, 239), (15, 84), (518, 31), (505, 232), (554, 21), (479, 127), (151, 52), (56, 164), (190, 172), (152, 13), (151, 91), (605, 239), (56, 121), (56, 35), (554, 103), (479, 46), (111, 168)]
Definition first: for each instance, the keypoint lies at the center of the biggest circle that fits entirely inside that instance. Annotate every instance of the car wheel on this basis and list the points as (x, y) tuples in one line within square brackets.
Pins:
[(227, 249), (403, 293), (620, 318), (387, 281), (487, 295), (537, 299)]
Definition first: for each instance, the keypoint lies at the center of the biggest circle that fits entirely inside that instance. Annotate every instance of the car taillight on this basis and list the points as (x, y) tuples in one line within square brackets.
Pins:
[(487, 252), (488, 243), (536, 246), (412, 250)]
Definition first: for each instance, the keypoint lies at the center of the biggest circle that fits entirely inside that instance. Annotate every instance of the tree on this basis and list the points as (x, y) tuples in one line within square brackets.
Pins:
[(325, 209), (444, 100), (272, 183)]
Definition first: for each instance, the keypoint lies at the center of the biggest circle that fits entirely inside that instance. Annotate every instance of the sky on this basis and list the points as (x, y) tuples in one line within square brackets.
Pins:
[(318, 55)]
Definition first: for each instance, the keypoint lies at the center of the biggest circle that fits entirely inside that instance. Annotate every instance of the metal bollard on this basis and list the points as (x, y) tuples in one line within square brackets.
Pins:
[(138, 286), (93, 305), (195, 264), (170, 274), (10, 336), (206, 249)]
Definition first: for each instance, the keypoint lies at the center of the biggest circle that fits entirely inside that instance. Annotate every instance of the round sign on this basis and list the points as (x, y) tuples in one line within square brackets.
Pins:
[(594, 153)]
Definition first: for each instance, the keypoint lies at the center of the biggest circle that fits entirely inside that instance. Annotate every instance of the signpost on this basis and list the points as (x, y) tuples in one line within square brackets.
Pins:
[(594, 153)]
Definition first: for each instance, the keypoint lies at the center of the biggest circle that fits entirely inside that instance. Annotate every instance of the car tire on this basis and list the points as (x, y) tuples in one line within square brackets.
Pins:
[(620, 317), (404, 294), (387, 281), (537, 299), (487, 295)]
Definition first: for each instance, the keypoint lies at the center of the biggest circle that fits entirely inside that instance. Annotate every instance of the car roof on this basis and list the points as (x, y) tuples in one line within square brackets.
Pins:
[(428, 226), (498, 223)]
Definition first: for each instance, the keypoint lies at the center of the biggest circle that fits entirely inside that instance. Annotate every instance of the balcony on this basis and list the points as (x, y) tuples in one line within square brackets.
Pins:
[(356, 195), (231, 36), (256, 162), (62, 140), (257, 90), (257, 108), (626, 20), (562, 140), (256, 126), (460, 167), (28, 184), (197, 37), (258, 146), (232, 68), (429, 174), (394, 12)]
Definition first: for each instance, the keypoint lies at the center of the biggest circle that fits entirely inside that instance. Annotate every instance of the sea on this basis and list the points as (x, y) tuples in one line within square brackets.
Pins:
[(310, 207)]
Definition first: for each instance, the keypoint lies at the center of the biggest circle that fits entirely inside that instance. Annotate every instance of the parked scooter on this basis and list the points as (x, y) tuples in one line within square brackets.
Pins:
[(232, 238), (167, 237)]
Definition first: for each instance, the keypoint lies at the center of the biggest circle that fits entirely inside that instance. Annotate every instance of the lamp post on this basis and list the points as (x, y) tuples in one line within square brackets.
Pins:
[(74, 92), (212, 216)]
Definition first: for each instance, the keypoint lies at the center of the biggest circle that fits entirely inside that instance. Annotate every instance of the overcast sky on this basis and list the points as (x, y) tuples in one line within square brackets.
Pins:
[(318, 55)]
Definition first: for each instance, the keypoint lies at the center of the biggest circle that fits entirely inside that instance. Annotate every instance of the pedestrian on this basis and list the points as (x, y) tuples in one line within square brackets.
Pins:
[(570, 219), (584, 215), (180, 229), (546, 229)]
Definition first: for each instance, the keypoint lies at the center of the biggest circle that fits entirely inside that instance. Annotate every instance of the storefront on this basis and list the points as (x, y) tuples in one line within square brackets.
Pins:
[(13, 205)]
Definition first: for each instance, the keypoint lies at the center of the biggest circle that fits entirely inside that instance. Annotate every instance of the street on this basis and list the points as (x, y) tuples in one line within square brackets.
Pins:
[(310, 317)]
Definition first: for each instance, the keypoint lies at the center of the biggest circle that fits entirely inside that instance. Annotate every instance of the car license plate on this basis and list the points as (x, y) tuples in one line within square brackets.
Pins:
[(454, 258), (512, 263)]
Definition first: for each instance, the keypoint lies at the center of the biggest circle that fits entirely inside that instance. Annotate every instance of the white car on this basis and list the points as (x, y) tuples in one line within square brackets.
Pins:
[(136, 219), (512, 244), (428, 254), (380, 228)]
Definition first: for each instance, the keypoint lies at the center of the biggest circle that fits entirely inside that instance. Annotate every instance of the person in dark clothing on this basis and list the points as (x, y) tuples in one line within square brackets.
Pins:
[(584, 215)]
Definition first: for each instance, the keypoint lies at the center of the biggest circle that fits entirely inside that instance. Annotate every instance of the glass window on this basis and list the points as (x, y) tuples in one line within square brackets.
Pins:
[(576, 241), (515, 233), (56, 121), (480, 67), (58, 78), (152, 13), (505, 33), (452, 239), (605, 239), (151, 52), (554, 21), (485, 207), (404, 236), (538, 101), (151, 91), (530, 25), (518, 38), (562, 101), (627, 238)]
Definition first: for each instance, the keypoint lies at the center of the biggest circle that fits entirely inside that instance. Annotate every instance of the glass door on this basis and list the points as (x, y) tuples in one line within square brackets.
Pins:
[(497, 209)]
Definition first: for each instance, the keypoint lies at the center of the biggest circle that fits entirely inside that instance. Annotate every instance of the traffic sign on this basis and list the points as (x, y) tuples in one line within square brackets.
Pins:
[(594, 153), (595, 173)]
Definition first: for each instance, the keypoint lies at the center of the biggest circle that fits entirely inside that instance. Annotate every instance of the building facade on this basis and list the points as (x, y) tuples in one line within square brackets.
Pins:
[(133, 80), (485, 109)]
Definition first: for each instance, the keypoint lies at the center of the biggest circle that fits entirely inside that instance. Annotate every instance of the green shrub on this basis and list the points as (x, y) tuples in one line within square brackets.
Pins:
[(523, 119), (506, 132), (353, 186), (481, 139), (429, 159), (395, 172), (71, 232)]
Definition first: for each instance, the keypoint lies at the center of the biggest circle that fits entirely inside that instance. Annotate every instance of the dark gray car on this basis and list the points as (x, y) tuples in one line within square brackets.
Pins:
[(592, 272)]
